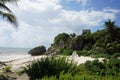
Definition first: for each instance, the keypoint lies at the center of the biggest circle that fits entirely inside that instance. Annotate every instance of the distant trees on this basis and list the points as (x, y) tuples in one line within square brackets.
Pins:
[(101, 43), (110, 27), (6, 13)]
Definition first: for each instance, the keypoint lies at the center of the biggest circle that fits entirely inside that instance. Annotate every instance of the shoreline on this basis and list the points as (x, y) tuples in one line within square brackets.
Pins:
[(21, 62), (10, 57), (18, 64)]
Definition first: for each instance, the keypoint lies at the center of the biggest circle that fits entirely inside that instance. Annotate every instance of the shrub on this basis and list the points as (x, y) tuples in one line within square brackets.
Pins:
[(48, 78), (50, 66), (68, 76), (107, 67), (67, 52), (114, 65), (83, 52), (95, 67), (113, 47), (6, 69), (116, 55)]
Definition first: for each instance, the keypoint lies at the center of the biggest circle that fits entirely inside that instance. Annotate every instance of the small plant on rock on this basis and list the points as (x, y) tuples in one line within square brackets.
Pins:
[(6, 69)]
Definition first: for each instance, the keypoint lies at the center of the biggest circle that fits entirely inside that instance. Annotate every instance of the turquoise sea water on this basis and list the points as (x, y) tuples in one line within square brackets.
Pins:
[(7, 49), (8, 54)]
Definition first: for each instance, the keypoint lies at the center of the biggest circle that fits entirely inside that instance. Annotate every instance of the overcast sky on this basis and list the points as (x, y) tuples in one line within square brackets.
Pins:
[(41, 20)]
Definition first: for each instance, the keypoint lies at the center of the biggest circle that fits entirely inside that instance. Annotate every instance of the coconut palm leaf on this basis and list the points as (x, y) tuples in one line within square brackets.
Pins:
[(9, 17), (2, 6), (7, 14), (10, 1), (110, 26)]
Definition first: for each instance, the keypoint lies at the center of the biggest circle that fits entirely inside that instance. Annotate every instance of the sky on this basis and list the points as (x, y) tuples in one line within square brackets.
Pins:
[(41, 20)]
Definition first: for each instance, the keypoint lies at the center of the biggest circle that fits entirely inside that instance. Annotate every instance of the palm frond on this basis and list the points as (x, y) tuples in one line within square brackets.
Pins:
[(2, 6), (10, 18), (6, 1)]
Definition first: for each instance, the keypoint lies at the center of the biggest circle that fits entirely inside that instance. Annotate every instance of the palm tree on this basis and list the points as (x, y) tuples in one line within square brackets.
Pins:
[(6, 13), (110, 27)]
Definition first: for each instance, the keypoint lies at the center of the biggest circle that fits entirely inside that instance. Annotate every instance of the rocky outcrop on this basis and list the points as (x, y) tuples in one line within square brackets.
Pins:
[(77, 43), (61, 43), (37, 50)]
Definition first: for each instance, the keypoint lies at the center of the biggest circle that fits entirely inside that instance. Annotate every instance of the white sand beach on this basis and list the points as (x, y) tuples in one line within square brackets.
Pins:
[(18, 64), (22, 62)]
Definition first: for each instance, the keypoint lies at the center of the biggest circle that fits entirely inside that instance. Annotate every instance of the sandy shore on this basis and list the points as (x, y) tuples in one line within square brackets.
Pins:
[(22, 62), (18, 64)]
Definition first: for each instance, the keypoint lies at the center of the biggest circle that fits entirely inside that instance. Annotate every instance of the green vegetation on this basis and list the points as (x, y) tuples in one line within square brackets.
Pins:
[(61, 69), (66, 51), (102, 43), (50, 66), (103, 68), (6, 69), (62, 36), (7, 13), (68, 76)]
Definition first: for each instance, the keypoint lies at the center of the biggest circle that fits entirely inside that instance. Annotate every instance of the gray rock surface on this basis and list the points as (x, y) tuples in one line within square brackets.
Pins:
[(37, 50)]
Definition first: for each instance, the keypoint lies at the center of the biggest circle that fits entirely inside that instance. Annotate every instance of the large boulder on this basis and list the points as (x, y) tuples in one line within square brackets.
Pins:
[(37, 50)]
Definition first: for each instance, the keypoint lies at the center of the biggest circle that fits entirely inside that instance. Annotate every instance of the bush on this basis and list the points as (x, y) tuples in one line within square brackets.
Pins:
[(95, 67), (48, 78), (6, 69), (83, 53), (68, 76), (107, 67), (116, 55), (67, 52), (113, 47), (50, 66), (114, 66)]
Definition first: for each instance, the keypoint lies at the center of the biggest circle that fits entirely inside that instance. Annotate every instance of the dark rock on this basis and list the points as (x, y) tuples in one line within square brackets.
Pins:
[(3, 77), (46, 53), (77, 43), (37, 50), (2, 63), (61, 43), (85, 31)]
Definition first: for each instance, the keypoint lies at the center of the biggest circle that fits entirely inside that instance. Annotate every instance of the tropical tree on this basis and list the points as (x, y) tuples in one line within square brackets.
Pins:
[(6, 13), (110, 26)]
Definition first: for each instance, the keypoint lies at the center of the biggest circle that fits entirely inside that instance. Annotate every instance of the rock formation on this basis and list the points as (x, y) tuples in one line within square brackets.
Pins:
[(37, 50)]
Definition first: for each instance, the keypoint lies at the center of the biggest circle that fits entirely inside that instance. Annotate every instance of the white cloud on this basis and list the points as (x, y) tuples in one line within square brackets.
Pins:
[(41, 20), (83, 2), (110, 10)]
